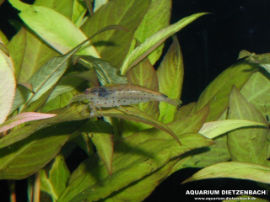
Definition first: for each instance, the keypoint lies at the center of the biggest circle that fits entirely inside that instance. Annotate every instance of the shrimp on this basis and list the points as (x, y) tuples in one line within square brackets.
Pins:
[(120, 95)]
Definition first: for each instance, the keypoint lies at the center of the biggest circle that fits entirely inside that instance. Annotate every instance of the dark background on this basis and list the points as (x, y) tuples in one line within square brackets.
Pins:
[(209, 46), (213, 42)]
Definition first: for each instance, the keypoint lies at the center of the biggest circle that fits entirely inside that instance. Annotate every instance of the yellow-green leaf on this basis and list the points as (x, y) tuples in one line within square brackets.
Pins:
[(237, 170), (152, 42), (156, 18), (215, 128), (170, 78), (145, 75), (104, 146), (247, 144), (57, 30), (7, 85)]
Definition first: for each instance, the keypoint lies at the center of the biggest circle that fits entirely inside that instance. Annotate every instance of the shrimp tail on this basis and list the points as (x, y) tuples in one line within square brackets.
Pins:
[(175, 102)]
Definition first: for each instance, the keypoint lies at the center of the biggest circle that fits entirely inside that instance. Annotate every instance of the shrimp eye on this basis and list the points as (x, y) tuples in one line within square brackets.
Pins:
[(99, 91)]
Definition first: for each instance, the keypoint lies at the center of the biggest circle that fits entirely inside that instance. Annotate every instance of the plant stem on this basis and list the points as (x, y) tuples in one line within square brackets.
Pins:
[(36, 188)]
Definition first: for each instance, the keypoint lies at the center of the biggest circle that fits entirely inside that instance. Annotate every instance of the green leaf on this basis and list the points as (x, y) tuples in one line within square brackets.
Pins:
[(215, 128), (29, 155), (60, 101), (107, 74), (113, 46), (78, 12), (135, 158), (22, 118), (80, 112), (215, 153), (184, 111), (133, 114), (104, 146), (63, 115), (156, 18), (99, 3), (256, 90), (145, 75), (246, 171), (251, 144), (191, 123), (138, 191), (7, 85), (170, 77), (216, 95), (3, 38), (29, 53), (152, 42), (64, 7), (263, 60), (55, 182), (18, 4), (20, 98), (54, 28), (47, 76)]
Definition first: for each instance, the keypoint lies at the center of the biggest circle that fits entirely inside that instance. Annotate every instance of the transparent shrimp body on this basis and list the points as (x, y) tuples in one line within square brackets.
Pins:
[(120, 95)]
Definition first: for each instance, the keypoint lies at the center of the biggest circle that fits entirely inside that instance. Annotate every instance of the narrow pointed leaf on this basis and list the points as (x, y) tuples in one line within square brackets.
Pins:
[(3, 38), (135, 156), (215, 128), (3, 48), (216, 95), (26, 157), (54, 28), (29, 54), (170, 78), (255, 91), (145, 75), (55, 182), (184, 111), (59, 174), (78, 13), (18, 4), (215, 153), (235, 170), (99, 3), (133, 114), (263, 60), (20, 98), (64, 7), (28, 51), (104, 146), (81, 112), (247, 144), (139, 155), (46, 185), (154, 41), (156, 18), (23, 118), (7, 85), (113, 46), (64, 115), (107, 74), (141, 189), (47, 76)]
